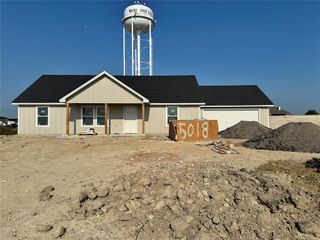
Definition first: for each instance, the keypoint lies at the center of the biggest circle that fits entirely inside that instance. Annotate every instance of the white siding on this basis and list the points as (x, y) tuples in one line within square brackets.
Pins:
[(228, 117)]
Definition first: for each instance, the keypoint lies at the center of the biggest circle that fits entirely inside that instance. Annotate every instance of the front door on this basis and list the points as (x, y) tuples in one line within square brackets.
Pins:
[(130, 119)]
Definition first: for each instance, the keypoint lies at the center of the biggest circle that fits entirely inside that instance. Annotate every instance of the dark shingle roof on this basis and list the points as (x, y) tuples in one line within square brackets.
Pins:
[(158, 89), (50, 88), (165, 89), (234, 95)]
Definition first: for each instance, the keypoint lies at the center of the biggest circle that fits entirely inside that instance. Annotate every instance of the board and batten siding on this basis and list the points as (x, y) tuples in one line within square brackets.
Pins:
[(156, 117), (104, 90), (27, 120)]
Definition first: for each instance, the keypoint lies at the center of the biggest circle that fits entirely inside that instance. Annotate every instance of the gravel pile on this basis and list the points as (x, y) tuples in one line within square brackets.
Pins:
[(195, 201), (295, 137), (245, 130)]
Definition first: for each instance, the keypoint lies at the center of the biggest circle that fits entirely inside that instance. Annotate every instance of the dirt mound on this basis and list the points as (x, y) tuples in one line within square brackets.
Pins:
[(194, 201), (245, 130), (295, 137)]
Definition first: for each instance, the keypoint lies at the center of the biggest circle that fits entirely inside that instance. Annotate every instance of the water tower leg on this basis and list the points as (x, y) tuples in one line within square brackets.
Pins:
[(138, 57), (124, 50), (132, 49), (150, 50)]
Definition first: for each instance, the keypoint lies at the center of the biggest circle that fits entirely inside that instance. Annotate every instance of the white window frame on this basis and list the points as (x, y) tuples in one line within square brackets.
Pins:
[(166, 109), (48, 125), (93, 116), (96, 122)]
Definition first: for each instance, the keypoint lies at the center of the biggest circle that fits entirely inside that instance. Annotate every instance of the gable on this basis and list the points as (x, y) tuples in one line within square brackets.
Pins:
[(104, 90)]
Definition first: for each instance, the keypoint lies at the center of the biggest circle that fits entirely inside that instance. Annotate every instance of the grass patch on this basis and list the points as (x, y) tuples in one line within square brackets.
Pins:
[(301, 175), (7, 130)]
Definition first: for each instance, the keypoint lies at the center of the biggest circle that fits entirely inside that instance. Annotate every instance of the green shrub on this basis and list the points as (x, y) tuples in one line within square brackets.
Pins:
[(312, 112)]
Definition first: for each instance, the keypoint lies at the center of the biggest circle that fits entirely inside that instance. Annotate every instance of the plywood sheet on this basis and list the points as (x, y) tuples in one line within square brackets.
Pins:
[(194, 130)]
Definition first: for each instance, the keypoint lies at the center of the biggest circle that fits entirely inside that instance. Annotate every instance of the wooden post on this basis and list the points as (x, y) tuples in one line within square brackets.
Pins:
[(106, 118), (142, 118), (67, 118)]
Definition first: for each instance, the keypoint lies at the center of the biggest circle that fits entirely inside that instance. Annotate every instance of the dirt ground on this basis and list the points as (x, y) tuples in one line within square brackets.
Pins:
[(28, 164)]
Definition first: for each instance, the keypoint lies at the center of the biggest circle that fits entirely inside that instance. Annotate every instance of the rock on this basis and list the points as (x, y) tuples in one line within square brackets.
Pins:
[(308, 228), (94, 206), (83, 197), (123, 208), (181, 195), (233, 227), (43, 227), (135, 196), (92, 195), (272, 198), (124, 217), (159, 205), (103, 193), (216, 220), (60, 232), (146, 199), (179, 226), (118, 187), (45, 194), (146, 182), (127, 185), (34, 213)]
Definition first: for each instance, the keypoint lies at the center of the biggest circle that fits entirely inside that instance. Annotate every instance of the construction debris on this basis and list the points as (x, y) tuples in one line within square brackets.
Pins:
[(220, 147)]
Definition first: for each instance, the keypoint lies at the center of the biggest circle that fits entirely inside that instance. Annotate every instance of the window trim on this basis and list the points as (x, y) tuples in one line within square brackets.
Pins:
[(166, 109), (98, 125), (93, 115), (40, 126)]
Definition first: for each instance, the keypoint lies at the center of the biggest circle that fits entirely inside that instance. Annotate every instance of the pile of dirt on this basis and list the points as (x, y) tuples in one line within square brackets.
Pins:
[(197, 200), (245, 130), (295, 137)]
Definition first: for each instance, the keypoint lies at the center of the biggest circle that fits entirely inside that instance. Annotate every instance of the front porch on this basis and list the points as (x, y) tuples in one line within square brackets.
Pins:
[(105, 118)]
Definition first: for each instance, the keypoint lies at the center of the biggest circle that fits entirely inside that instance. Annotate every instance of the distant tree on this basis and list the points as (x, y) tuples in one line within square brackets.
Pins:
[(312, 112)]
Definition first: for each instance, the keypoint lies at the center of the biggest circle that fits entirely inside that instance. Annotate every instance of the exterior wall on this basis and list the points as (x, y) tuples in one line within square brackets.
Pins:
[(156, 117), (28, 120), (189, 112), (264, 116), (104, 90)]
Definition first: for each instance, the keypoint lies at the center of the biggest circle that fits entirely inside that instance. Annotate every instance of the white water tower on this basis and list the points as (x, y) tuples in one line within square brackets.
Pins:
[(138, 23)]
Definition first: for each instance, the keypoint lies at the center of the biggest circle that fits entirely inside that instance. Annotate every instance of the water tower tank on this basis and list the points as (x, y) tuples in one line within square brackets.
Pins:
[(140, 15), (138, 21)]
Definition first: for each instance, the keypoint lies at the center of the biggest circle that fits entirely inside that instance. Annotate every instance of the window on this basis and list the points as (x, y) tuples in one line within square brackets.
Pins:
[(42, 116), (87, 116), (172, 113), (100, 115)]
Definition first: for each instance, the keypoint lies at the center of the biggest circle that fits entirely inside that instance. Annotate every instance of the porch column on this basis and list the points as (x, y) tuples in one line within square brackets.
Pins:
[(106, 118), (67, 118), (142, 118)]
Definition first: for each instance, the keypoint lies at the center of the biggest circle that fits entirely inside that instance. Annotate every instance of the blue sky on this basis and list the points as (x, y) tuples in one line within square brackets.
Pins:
[(274, 44)]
